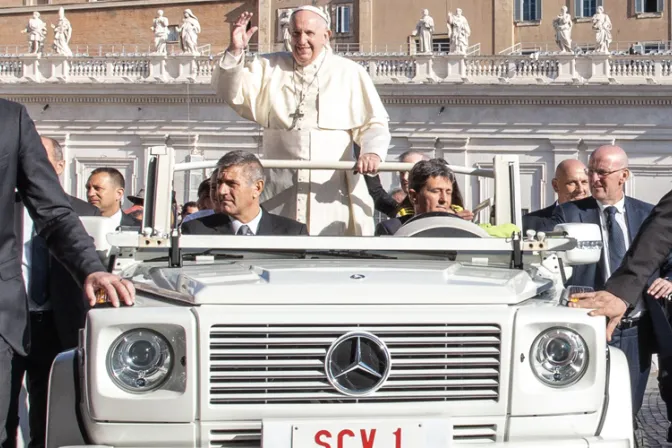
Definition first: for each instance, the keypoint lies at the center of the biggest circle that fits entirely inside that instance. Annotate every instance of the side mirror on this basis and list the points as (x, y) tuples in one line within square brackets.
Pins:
[(588, 238)]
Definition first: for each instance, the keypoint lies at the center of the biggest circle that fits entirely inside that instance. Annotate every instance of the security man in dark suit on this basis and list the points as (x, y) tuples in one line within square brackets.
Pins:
[(105, 190), (620, 217), (237, 184), (570, 184), (55, 318), (629, 286), (25, 168)]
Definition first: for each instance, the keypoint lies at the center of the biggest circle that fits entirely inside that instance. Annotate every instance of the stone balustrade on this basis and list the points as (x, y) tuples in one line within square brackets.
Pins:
[(384, 69)]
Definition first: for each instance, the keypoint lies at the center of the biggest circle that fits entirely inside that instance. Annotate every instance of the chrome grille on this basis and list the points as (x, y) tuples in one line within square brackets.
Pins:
[(253, 364), (248, 435)]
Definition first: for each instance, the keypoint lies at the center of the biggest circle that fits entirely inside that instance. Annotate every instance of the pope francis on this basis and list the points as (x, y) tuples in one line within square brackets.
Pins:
[(312, 104)]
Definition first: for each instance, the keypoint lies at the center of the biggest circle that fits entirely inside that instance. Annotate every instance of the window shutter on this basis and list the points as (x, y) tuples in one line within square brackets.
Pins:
[(661, 4), (538, 5), (578, 8), (518, 11), (639, 6), (598, 3), (346, 19)]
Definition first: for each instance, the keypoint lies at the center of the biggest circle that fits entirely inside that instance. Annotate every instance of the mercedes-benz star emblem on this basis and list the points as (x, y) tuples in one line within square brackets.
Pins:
[(358, 364)]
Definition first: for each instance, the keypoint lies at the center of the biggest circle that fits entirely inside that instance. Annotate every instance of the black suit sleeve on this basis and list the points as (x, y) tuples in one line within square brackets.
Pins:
[(382, 201), (558, 216), (648, 252), (49, 206), (187, 227)]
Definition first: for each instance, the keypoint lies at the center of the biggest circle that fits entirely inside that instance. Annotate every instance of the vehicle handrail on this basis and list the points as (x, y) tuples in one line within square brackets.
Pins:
[(326, 165)]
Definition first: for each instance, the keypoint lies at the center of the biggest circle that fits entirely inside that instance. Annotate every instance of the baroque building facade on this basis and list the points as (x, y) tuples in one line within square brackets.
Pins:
[(463, 108), (113, 98)]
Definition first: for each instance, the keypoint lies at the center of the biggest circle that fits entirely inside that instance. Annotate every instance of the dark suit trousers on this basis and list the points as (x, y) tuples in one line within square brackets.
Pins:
[(637, 349), (6, 354), (36, 366)]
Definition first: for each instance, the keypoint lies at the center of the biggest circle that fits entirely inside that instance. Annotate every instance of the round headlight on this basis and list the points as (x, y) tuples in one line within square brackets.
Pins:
[(140, 360), (559, 357)]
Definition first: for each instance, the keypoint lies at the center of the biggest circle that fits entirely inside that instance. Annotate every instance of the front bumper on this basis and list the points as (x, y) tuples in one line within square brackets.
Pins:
[(592, 442)]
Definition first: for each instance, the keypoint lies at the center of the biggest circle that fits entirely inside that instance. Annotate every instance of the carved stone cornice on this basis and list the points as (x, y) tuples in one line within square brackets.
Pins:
[(390, 100), (422, 143), (565, 145)]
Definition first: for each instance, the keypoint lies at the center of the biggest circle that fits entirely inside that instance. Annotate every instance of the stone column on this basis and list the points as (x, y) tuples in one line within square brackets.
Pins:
[(60, 67), (187, 69), (364, 21), (457, 68), (424, 144), (265, 35), (157, 67), (566, 68), (192, 179), (424, 70), (601, 71), (31, 67)]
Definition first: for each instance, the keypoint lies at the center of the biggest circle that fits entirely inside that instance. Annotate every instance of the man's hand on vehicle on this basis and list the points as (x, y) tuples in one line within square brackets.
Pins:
[(603, 303), (113, 286)]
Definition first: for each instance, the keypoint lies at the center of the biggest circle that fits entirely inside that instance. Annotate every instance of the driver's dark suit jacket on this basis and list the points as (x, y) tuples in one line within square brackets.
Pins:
[(390, 226)]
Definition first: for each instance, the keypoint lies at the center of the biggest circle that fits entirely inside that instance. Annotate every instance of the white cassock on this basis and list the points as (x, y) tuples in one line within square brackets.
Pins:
[(337, 103)]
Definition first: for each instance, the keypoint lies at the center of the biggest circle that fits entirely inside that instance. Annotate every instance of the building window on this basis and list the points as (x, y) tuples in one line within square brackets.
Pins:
[(586, 8), (173, 35), (343, 19), (527, 10), (648, 6)]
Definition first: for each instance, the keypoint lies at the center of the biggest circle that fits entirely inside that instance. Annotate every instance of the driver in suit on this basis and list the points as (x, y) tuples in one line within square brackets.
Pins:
[(431, 186), (236, 186)]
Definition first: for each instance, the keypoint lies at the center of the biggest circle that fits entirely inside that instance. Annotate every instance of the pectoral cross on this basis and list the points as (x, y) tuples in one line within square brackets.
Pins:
[(296, 116)]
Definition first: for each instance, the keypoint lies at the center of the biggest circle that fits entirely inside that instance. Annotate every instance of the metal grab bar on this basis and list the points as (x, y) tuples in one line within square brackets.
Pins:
[(319, 165)]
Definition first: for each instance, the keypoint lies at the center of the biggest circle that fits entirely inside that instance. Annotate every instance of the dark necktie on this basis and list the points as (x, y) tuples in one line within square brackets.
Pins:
[(39, 269), (244, 230), (616, 239)]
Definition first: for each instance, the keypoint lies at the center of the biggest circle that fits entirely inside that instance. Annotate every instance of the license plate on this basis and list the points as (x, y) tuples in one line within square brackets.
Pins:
[(363, 434)]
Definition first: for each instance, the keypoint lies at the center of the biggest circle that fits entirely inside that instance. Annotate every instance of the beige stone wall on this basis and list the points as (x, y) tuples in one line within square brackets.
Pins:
[(130, 25), (394, 20), (626, 26)]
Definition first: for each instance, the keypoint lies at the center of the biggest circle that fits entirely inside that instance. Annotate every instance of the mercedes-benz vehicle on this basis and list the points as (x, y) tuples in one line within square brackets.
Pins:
[(440, 336)]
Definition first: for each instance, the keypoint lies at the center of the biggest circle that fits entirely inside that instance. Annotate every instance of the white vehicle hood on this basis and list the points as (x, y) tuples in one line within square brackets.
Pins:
[(340, 282)]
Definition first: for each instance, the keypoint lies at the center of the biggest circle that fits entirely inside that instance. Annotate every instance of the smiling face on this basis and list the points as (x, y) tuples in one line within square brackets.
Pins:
[(309, 36), (435, 196)]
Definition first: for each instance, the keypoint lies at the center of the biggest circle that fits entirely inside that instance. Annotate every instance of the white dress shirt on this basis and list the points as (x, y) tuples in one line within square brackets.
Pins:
[(26, 261), (620, 220), (117, 217), (253, 225)]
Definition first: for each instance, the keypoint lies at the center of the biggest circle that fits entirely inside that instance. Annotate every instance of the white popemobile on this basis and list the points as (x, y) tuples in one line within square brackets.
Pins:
[(409, 341)]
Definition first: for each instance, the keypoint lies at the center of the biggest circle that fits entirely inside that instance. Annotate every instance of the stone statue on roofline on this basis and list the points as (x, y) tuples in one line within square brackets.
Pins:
[(424, 30), (189, 31), (563, 30), (459, 32), (62, 34), (37, 32), (160, 28), (602, 27)]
